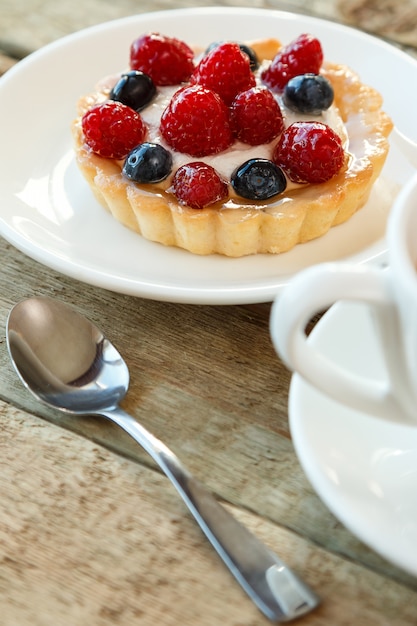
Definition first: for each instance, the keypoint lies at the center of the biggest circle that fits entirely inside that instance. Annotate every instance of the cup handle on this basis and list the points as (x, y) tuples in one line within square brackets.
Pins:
[(311, 292)]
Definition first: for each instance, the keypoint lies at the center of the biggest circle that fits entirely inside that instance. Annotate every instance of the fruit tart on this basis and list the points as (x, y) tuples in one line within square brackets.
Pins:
[(244, 148)]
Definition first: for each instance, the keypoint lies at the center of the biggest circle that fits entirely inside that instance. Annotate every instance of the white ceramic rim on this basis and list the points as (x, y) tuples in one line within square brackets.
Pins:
[(214, 280)]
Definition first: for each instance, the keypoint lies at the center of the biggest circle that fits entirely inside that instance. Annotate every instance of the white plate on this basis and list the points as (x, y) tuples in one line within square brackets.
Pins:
[(363, 468), (48, 211)]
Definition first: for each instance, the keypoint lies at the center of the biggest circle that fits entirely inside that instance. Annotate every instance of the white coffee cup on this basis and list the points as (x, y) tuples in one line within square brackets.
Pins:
[(390, 292)]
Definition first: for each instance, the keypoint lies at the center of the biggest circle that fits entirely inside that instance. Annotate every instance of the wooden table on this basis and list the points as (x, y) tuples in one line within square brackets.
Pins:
[(91, 532)]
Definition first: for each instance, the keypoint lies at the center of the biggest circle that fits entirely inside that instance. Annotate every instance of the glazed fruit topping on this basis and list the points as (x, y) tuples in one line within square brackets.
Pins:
[(258, 179), (198, 185), (148, 163), (112, 129), (196, 122), (309, 152), (220, 103), (304, 55), (134, 89), (256, 117), (253, 57), (308, 93), (225, 70), (167, 60)]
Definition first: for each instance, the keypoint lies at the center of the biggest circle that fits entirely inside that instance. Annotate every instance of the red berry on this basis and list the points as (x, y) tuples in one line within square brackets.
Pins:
[(309, 152), (196, 121), (225, 70), (304, 55), (168, 61), (198, 185), (112, 129), (256, 116)]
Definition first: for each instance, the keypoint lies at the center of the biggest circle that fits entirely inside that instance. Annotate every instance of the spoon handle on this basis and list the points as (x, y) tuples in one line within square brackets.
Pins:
[(272, 586)]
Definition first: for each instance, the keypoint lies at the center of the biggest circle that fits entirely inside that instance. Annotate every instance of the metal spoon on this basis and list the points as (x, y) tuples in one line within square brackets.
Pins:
[(67, 363)]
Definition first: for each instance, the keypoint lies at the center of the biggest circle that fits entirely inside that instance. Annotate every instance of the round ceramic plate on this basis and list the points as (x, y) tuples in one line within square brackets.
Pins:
[(363, 468), (48, 210)]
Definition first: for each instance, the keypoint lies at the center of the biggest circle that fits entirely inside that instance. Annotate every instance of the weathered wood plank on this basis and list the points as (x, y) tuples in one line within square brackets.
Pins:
[(26, 26), (90, 537), (387, 18), (6, 62)]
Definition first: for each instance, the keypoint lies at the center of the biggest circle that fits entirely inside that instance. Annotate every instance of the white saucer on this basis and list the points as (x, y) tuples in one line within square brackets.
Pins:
[(49, 212), (364, 469)]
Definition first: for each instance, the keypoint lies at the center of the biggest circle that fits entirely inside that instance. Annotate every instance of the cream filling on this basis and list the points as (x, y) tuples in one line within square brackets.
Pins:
[(227, 161)]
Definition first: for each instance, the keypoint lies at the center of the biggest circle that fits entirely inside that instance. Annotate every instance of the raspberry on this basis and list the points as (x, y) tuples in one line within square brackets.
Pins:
[(256, 117), (112, 129), (168, 61), (198, 185), (304, 55), (309, 152), (225, 70), (196, 121)]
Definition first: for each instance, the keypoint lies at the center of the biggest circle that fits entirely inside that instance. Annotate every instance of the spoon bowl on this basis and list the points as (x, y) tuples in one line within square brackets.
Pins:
[(68, 364), (63, 359)]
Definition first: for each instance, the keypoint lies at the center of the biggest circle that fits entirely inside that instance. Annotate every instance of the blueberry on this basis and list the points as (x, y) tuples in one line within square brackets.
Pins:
[(148, 163), (253, 58), (258, 179), (308, 93), (135, 89)]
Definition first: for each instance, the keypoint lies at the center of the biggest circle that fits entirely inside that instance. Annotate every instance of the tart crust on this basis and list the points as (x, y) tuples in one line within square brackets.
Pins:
[(237, 227)]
